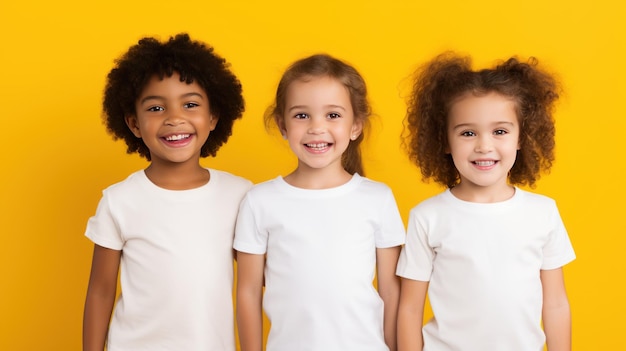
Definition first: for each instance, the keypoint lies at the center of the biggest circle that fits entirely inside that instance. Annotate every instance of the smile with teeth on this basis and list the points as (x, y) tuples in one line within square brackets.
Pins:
[(317, 146), (176, 137), (485, 163)]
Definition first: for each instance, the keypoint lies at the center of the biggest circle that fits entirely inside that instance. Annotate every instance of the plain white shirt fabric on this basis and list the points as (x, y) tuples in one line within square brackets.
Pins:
[(483, 262), (320, 248), (177, 263)]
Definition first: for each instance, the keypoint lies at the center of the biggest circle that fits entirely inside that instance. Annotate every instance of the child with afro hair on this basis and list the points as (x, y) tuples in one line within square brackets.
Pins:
[(169, 227)]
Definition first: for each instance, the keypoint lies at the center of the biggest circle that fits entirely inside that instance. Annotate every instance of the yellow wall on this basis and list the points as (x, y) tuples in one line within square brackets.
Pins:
[(56, 157)]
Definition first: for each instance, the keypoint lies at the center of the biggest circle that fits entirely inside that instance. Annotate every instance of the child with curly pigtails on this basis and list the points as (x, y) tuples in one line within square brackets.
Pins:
[(488, 254)]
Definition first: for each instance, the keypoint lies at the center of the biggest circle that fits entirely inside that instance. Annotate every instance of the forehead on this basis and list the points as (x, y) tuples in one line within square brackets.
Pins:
[(165, 85), (317, 90), (488, 108)]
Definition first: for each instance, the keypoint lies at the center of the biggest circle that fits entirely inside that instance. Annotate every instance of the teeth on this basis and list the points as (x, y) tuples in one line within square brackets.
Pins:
[(177, 137), (484, 163), (317, 146)]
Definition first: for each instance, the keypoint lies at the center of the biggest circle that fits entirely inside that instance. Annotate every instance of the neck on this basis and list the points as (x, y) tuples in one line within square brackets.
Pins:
[(315, 178), (483, 194), (177, 176)]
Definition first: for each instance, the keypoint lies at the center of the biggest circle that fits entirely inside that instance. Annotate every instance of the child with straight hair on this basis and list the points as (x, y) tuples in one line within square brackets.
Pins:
[(316, 237), (488, 253), (169, 227)]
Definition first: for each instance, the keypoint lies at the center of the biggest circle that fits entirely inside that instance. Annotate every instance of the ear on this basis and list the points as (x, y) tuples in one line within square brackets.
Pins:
[(280, 122), (133, 125), (213, 122), (357, 129)]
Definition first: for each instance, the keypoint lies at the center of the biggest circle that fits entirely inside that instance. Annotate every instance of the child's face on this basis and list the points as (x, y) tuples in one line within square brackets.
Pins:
[(319, 122), (483, 139), (173, 119)]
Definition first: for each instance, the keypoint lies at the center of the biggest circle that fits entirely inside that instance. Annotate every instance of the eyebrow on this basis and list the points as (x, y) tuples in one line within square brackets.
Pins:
[(470, 125), (158, 97), (298, 107)]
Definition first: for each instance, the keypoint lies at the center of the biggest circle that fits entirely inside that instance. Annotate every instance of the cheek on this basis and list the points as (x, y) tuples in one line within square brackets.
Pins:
[(289, 129), (456, 147), (517, 143)]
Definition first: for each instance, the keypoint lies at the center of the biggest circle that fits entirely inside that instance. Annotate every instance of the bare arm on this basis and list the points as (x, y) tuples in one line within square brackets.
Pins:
[(249, 300), (389, 290), (101, 293), (557, 322), (411, 315)]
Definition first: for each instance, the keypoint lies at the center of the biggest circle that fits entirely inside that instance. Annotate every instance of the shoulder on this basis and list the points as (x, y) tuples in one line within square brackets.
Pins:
[(435, 201), (368, 191), (528, 198), (131, 183), (258, 196), (263, 190), (371, 185), (266, 187), (433, 205), (230, 180)]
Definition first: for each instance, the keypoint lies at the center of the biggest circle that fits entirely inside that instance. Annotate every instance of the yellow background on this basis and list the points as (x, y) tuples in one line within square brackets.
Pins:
[(56, 157)]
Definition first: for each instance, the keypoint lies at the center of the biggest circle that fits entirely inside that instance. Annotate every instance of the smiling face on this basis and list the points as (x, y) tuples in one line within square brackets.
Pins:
[(483, 139), (318, 122), (173, 119)]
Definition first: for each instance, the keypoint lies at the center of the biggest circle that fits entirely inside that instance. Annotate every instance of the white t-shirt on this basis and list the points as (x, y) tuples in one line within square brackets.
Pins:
[(321, 261), (483, 262), (176, 266)]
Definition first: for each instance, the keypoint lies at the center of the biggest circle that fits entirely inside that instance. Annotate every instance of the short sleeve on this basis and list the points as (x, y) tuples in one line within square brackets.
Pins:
[(248, 237), (558, 250), (392, 232), (102, 228), (416, 258)]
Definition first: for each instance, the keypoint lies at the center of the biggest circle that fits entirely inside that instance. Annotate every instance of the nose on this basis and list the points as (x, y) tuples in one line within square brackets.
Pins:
[(174, 117), (483, 144), (316, 126)]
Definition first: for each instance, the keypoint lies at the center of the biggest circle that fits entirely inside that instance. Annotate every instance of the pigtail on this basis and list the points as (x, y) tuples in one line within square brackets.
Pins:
[(436, 84), (351, 159), (536, 92)]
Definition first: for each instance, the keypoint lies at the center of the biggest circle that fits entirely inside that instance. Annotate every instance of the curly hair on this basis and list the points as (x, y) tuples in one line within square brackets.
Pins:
[(193, 61), (439, 84), (323, 65)]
